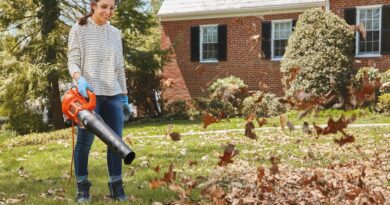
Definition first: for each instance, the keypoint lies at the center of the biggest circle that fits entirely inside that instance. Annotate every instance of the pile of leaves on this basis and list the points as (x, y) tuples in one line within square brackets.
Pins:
[(240, 181), (353, 182)]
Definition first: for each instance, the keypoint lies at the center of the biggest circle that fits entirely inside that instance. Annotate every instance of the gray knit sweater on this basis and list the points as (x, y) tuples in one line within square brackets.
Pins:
[(96, 52)]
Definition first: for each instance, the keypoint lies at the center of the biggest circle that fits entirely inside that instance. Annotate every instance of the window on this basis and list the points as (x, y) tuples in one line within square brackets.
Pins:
[(370, 17), (281, 31), (209, 43)]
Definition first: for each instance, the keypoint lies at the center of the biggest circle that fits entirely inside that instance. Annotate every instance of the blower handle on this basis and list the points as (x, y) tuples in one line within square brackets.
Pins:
[(91, 103)]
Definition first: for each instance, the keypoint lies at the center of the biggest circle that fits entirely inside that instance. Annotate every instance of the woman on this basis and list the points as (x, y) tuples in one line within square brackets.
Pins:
[(95, 61)]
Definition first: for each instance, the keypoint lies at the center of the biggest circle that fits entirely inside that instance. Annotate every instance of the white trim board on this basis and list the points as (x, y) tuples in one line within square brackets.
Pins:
[(259, 11)]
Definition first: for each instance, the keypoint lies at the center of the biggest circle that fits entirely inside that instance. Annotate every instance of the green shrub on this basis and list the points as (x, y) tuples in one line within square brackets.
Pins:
[(7, 134), (177, 109), (269, 105), (201, 103), (25, 121), (373, 74), (383, 104), (216, 106), (213, 106), (321, 47), (385, 79), (221, 82), (232, 90)]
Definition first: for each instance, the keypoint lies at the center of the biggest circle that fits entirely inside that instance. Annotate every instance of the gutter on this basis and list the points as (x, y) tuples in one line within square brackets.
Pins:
[(254, 11)]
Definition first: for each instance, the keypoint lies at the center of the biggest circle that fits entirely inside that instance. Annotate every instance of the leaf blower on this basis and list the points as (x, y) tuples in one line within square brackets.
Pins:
[(80, 110)]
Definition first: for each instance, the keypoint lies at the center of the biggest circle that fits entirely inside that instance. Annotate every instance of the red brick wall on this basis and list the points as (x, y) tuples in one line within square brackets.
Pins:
[(338, 6), (191, 79)]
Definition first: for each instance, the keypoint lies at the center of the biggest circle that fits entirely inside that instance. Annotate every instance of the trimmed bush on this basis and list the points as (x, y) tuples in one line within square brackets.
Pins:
[(269, 105), (221, 83), (385, 79), (383, 104), (177, 109), (216, 106), (321, 47)]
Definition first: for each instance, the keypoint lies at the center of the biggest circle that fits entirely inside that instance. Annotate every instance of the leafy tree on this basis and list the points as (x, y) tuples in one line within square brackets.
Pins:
[(319, 51), (34, 45), (143, 53)]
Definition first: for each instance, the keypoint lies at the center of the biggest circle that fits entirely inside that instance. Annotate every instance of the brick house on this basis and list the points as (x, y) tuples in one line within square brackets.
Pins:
[(218, 38)]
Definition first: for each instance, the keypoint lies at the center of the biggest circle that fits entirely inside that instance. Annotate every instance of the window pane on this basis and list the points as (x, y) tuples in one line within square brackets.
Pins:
[(375, 24), (370, 18), (368, 25), (362, 15), (210, 51), (281, 31), (369, 14), (369, 35), (369, 46), (277, 52), (209, 43), (277, 35), (375, 35), (362, 47), (376, 13), (376, 46), (284, 43)]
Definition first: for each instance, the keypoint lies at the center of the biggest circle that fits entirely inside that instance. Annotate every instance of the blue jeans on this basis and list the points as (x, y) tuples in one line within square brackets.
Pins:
[(111, 110)]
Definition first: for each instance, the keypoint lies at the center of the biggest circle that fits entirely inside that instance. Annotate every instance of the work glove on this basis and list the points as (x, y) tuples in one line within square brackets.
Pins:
[(82, 86), (125, 102)]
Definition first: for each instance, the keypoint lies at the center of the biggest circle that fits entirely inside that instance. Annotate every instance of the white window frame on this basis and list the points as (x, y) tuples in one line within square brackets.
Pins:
[(273, 37), (357, 39), (201, 43)]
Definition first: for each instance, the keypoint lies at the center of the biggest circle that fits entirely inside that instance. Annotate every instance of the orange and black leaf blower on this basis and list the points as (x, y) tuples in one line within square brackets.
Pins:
[(77, 108)]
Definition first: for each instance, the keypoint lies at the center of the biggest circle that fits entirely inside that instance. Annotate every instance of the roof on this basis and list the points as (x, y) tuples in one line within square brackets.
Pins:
[(198, 9)]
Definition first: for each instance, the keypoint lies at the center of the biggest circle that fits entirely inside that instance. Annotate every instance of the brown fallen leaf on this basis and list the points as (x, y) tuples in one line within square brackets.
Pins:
[(335, 126), (311, 155), (156, 183), (344, 140), (260, 174), (249, 126), (274, 168), (208, 119), (283, 120), (192, 162), (178, 189), (169, 176), (175, 136), (168, 83), (228, 153), (157, 169), (293, 73), (264, 87), (305, 128), (213, 191), (128, 140), (261, 121)]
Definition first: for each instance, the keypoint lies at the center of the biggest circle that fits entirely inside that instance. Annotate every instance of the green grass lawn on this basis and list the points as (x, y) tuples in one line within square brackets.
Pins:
[(159, 127), (34, 169)]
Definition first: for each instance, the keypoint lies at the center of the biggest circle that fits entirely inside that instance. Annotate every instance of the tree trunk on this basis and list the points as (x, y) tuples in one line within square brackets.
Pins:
[(49, 16), (55, 103)]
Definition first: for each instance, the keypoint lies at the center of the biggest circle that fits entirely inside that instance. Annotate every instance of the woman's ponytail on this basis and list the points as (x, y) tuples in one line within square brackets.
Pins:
[(83, 20)]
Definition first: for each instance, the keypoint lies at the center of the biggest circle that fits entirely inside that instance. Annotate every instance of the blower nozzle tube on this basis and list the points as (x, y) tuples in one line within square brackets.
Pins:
[(95, 124)]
